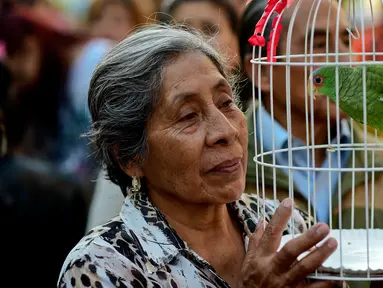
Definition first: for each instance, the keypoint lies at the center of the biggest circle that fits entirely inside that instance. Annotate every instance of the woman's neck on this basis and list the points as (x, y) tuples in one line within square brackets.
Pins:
[(196, 217), (212, 231)]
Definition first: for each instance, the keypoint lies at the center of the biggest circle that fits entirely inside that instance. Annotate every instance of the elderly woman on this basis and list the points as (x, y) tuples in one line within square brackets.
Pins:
[(166, 126), (215, 19)]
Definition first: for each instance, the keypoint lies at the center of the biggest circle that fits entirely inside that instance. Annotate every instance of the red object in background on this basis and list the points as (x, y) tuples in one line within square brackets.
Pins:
[(257, 39), (46, 17), (276, 34), (50, 19), (368, 44)]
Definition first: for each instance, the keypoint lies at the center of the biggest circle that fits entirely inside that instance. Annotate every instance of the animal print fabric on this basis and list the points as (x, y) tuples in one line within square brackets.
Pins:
[(139, 248)]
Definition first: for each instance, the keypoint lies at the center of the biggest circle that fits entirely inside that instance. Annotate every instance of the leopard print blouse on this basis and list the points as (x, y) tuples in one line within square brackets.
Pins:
[(139, 248)]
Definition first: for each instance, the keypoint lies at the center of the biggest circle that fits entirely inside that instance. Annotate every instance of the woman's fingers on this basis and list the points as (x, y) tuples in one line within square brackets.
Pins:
[(255, 239), (271, 238), (311, 262), (286, 257), (264, 267)]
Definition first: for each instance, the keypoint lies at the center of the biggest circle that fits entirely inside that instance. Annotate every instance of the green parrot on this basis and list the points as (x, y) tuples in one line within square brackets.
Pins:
[(351, 91)]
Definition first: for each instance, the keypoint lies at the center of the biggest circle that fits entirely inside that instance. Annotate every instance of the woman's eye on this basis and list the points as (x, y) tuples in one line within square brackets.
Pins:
[(189, 116), (228, 103)]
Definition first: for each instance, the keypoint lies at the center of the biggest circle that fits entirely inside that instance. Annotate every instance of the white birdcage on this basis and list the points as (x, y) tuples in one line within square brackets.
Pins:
[(359, 255)]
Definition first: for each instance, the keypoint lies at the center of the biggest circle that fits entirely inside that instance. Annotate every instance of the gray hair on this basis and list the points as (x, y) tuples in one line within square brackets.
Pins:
[(125, 90)]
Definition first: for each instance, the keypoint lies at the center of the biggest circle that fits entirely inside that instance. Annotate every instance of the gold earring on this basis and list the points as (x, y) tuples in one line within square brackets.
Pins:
[(136, 184)]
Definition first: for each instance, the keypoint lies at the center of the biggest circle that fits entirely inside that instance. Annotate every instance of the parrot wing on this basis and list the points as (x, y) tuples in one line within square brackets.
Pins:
[(375, 95), (374, 75), (374, 89)]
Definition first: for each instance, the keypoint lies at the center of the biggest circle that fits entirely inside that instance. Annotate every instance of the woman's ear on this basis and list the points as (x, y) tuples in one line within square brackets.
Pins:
[(264, 84), (132, 169)]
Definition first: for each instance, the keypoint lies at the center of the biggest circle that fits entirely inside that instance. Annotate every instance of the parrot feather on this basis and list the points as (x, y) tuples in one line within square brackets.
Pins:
[(350, 92)]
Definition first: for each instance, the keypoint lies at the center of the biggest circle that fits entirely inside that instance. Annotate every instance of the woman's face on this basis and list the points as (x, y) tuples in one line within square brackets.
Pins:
[(197, 136), (213, 22), (115, 23)]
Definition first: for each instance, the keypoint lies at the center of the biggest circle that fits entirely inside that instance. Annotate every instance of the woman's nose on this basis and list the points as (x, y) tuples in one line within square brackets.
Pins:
[(221, 131)]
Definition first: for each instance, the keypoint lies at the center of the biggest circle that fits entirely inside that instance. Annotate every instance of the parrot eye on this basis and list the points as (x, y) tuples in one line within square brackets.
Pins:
[(318, 80)]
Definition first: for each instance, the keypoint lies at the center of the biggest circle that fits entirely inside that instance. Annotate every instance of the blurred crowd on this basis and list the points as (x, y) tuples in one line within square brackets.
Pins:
[(48, 51)]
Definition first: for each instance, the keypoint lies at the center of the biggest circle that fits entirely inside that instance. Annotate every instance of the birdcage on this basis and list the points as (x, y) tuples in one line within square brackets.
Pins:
[(311, 146)]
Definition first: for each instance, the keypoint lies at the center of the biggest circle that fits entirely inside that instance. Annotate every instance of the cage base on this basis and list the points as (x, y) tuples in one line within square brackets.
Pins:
[(348, 277), (353, 259)]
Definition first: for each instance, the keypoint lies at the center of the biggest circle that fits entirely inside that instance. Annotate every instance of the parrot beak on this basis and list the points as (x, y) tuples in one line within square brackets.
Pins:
[(315, 92), (312, 89)]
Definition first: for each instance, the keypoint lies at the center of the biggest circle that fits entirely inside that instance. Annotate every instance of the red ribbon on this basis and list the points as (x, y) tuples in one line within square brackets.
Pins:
[(276, 34), (257, 39)]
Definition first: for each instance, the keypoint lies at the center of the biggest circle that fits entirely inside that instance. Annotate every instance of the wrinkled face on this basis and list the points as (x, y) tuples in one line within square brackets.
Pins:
[(297, 73), (115, 22), (212, 21), (197, 136)]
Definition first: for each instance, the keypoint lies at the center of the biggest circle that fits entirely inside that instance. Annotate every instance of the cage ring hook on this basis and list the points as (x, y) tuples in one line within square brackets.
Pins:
[(357, 37)]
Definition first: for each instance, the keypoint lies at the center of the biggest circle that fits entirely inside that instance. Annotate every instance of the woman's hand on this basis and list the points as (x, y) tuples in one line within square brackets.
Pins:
[(265, 267)]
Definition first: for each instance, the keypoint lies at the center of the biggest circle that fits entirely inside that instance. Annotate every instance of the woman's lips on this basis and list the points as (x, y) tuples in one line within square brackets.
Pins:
[(227, 166)]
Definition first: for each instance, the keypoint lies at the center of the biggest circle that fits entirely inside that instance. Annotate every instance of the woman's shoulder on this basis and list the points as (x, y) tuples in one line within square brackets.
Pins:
[(108, 256)]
